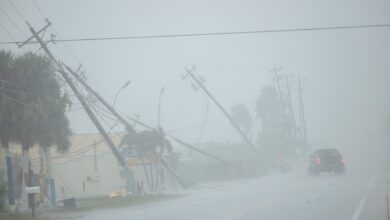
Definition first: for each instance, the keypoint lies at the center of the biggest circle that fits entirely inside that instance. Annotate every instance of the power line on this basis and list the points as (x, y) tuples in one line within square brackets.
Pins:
[(13, 22), (203, 124), (56, 32), (103, 113), (75, 109), (39, 9), (19, 88), (213, 33), (81, 150), (17, 10), (14, 100), (7, 32)]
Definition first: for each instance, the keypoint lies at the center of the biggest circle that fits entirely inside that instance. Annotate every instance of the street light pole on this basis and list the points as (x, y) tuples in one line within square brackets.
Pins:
[(119, 90)]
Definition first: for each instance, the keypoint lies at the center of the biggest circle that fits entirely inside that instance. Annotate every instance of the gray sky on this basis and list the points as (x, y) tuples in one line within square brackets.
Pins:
[(346, 71)]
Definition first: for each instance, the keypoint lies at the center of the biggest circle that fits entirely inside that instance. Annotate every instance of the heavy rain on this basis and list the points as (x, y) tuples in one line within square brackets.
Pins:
[(198, 110)]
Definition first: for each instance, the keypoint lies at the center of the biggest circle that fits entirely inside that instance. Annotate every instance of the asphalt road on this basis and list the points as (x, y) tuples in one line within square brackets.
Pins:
[(359, 194)]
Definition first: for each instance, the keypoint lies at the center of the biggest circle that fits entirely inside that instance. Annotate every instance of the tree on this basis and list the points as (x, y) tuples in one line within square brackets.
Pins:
[(274, 137), (271, 110), (7, 118), (242, 117), (150, 144), (42, 118)]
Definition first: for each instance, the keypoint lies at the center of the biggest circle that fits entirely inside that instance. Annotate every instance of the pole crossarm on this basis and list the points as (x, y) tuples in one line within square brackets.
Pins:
[(70, 83), (64, 71)]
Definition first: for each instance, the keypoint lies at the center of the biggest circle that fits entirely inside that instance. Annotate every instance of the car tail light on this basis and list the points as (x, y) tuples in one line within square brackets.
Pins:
[(318, 161)]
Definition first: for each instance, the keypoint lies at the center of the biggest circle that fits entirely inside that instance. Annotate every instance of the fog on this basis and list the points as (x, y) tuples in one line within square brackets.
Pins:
[(345, 76)]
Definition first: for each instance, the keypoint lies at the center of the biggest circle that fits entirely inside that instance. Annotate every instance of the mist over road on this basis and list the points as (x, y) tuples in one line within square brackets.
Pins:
[(359, 194)]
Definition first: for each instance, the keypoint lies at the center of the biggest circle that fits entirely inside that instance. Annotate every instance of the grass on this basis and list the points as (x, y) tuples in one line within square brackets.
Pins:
[(117, 202), (21, 217), (90, 204)]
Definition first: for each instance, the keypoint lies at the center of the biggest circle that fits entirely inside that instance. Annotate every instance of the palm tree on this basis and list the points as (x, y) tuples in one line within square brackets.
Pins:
[(43, 120), (132, 141), (7, 119), (55, 131), (151, 144)]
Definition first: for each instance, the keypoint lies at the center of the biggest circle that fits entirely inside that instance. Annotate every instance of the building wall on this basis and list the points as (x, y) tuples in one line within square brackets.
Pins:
[(72, 168)]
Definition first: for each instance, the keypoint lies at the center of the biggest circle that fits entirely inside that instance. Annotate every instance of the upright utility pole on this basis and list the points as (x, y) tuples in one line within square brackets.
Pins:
[(50, 177), (290, 107), (301, 111), (88, 110), (243, 135), (159, 107), (275, 71), (95, 158)]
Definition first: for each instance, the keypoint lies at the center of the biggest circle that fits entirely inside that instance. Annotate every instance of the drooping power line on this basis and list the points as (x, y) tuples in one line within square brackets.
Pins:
[(17, 10), (7, 32), (13, 22), (39, 9), (214, 33), (2, 93), (56, 32)]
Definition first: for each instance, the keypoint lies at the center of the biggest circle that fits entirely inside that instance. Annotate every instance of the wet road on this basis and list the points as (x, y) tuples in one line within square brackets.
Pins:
[(359, 194)]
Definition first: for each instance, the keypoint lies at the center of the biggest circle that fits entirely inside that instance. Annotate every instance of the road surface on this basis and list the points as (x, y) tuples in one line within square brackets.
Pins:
[(359, 194)]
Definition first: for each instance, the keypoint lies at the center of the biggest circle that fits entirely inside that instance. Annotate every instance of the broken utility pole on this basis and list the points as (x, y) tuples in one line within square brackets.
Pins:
[(301, 111), (79, 96), (118, 116), (129, 126), (243, 135)]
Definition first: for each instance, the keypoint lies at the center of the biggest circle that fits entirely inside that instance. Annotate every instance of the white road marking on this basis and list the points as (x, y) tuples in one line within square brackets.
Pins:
[(359, 209), (373, 178)]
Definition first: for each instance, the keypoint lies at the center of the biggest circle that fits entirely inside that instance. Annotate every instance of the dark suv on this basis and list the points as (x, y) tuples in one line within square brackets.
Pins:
[(326, 160)]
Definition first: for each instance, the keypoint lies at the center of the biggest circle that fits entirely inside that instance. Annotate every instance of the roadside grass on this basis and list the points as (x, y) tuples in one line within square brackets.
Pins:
[(104, 202), (90, 204), (21, 217)]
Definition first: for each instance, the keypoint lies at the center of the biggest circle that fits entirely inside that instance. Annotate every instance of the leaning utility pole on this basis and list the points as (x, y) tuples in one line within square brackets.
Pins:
[(243, 135), (79, 96), (135, 120), (119, 117), (301, 111)]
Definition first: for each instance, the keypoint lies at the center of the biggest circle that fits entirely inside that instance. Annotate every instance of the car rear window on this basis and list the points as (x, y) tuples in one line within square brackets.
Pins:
[(328, 152)]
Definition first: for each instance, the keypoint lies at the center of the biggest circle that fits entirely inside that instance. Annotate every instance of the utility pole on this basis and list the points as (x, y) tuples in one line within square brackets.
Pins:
[(290, 106), (50, 177), (159, 107), (80, 98), (10, 176), (95, 158), (301, 111), (123, 120), (243, 135), (137, 121), (285, 99), (275, 71)]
